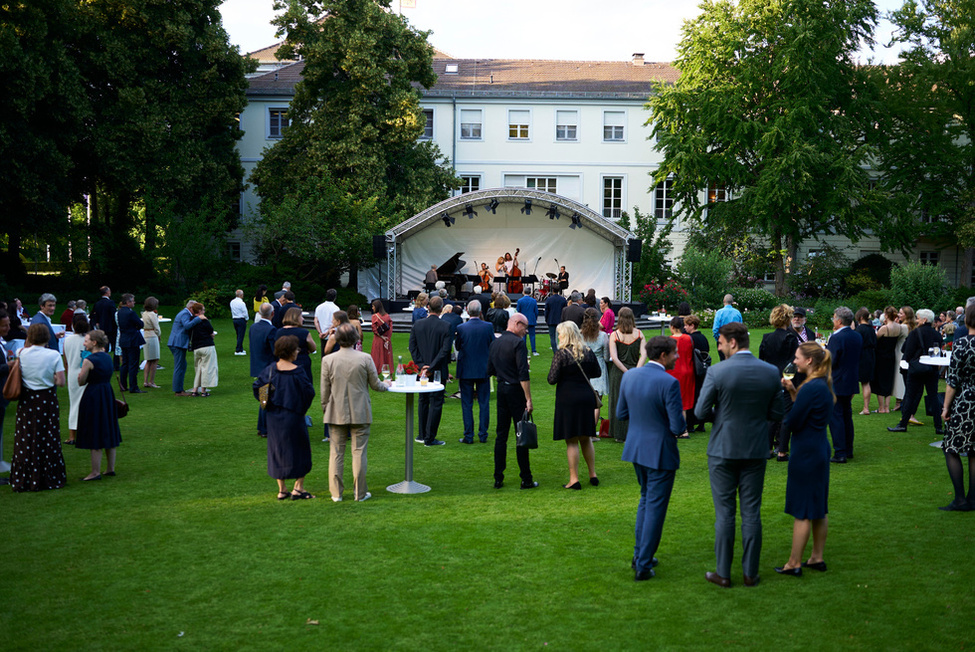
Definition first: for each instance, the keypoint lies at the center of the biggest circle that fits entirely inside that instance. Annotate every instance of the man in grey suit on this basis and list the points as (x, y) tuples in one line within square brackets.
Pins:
[(743, 394), (650, 399)]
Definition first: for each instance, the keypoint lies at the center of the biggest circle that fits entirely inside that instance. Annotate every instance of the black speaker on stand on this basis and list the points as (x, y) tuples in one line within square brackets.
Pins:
[(379, 247), (633, 250)]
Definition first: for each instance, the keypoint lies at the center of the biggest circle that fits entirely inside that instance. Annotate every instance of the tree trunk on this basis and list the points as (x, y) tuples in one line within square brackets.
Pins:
[(778, 262), (353, 276)]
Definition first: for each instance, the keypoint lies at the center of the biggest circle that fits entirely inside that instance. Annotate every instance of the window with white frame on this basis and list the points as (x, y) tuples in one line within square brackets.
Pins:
[(277, 122), (519, 121), (613, 123), (470, 183), (613, 197), (663, 199), (718, 193), (470, 124), (928, 257), (427, 125), (545, 184), (567, 125)]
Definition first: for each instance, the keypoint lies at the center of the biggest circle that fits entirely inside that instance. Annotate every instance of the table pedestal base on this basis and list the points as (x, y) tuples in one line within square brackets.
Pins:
[(408, 487)]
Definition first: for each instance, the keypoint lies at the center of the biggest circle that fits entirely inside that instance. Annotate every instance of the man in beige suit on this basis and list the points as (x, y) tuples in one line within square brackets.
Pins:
[(347, 376)]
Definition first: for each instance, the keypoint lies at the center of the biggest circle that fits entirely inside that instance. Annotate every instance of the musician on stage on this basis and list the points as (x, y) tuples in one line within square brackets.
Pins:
[(563, 279), (431, 278), (486, 277)]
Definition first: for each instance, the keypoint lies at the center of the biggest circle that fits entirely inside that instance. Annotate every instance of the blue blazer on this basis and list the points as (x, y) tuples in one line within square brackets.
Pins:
[(553, 309), (473, 341), (650, 399), (529, 308), (179, 337), (844, 346), (129, 328), (262, 346), (41, 318)]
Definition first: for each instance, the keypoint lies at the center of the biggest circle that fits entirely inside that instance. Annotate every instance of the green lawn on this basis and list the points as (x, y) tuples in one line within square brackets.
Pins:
[(187, 547)]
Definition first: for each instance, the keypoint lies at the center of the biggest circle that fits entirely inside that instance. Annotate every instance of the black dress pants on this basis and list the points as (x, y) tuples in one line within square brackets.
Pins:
[(511, 407), (918, 384)]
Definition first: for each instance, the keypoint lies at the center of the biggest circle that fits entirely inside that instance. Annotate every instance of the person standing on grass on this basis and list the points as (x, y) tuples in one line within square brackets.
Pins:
[(288, 446), (103, 319), (238, 312), (473, 340), (844, 347), (130, 341), (920, 377), (508, 361), (807, 486), (47, 304), (4, 372), (262, 353), (97, 415), (151, 333), (728, 314), (346, 378), (430, 341), (529, 308), (742, 394), (323, 317), (554, 306), (204, 353), (651, 399), (74, 344), (959, 416), (179, 342)]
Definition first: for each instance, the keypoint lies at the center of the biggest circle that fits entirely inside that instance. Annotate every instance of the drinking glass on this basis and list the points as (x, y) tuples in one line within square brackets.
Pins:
[(436, 377), (789, 371), (385, 371)]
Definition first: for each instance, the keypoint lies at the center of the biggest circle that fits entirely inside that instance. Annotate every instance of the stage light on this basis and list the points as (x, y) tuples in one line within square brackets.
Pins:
[(527, 208), (553, 212), (469, 211), (576, 221), (493, 206), (447, 219)]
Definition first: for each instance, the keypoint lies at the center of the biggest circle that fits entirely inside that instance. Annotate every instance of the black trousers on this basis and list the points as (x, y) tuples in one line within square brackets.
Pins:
[(917, 384), (431, 409), (240, 325), (841, 426), (511, 406), (130, 367)]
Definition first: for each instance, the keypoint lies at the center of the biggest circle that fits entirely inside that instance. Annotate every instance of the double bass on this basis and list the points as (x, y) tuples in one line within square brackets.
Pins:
[(515, 285)]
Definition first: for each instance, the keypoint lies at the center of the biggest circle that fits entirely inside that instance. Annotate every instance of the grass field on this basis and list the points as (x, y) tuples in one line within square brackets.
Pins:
[(187, 548)]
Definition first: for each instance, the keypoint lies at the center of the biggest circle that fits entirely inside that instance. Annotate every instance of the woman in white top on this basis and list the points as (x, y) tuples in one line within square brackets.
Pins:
[(37, 463), (151, 332), (74, 350)]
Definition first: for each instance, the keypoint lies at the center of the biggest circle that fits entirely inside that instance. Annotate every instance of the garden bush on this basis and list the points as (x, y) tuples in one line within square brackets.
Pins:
[(919, 286), (705, 274), (667, 295), (754, 298), (874, 267), (872, 299)]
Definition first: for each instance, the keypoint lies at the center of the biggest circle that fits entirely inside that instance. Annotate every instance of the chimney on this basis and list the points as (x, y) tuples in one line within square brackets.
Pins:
[(638, 59)]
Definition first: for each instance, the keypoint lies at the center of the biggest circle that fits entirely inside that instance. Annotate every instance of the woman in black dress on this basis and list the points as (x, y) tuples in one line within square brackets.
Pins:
[(778, 348), (291, 325), (959, 417), (575, 401), (97, 415), (889, 338), (868, 355), (701, 345), (288, 447), (807, 487)]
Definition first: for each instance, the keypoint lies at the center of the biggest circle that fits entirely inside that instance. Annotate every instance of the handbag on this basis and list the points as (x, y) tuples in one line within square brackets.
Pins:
[(265, 392), (702, 361), (382, 328), (11, 387), (121, 407), (599, 400), (526, 433)]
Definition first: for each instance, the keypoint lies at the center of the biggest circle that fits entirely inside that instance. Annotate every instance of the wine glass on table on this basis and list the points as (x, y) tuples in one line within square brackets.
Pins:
[(385, 372)]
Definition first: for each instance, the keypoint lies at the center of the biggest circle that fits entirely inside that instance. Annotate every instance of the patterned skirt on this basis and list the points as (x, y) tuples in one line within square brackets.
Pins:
[(37, 462)]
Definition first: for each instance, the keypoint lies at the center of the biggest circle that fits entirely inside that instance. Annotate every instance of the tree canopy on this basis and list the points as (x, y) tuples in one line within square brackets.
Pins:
[(771, 108)]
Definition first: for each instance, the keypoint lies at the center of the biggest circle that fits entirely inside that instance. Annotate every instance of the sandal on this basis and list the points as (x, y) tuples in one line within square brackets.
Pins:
[(301, 495), (284, 495)]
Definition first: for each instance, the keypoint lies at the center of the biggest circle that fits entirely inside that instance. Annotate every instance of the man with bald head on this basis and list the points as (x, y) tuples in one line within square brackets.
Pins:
[(727, 315)]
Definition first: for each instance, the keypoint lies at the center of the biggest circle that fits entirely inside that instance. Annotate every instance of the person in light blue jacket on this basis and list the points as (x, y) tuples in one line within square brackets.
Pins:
[(179, 342)]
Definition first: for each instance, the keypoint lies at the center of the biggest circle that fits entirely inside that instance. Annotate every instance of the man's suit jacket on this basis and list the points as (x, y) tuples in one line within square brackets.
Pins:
[(554, 306), (529, 308), (346, 378), (650, 399), (917, 344), (844, 346), (430, 345), (129, 328), (52, 341), (262, 346), (454, 319), (575, 313), (485, 300), (104, 311), (745, 394), (473, 341), (183, 322), (810, 334), (279, 314)]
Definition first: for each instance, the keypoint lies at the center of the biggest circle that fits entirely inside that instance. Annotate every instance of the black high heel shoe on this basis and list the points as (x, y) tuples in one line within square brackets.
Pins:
[(794, 572), (575, 485)]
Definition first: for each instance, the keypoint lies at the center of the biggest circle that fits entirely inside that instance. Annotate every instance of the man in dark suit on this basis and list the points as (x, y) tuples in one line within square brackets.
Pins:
[(575, 311), (744, 394), (508, 361), (921, 378), (650, 399), (529, 308), (103, 319), (430, 342), (844, 347), (473, 342), (129, 340), (287, 303), (262, 354), (554, 306)]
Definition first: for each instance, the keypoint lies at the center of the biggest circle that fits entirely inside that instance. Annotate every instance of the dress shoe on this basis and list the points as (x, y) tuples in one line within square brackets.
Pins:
[(529, 485), (594, 481), (575, 485), (915, 422), (435, 442), (957, 506), (816, 566), (897, 428), (498, 484), (782, 458), (653, 562), (794, 572), (110, 474), (465, 441), (714, 578), (836, 459), (138, 391), (97, 477), (752, 581), (420, 440), (641, 576)]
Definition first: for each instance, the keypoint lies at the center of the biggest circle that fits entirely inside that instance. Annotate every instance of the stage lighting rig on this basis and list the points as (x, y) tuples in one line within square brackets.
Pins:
[(527, 208), (553, 212), (493, 206), (576, 221), (469, 211), (447, 219)]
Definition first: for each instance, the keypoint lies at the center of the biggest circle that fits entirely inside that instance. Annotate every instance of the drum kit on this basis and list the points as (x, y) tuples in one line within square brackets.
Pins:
[(547, 287)]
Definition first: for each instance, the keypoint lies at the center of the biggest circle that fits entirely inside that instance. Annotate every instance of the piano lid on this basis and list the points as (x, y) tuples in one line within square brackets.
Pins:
[(452, 266)]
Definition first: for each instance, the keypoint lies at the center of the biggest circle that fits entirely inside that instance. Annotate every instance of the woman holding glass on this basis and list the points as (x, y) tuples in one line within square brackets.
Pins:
[(382, 336)]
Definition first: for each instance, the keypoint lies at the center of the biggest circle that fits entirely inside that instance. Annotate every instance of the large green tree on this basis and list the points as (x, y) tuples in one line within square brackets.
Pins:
[(355, 125), (929, 161), (771, 107)]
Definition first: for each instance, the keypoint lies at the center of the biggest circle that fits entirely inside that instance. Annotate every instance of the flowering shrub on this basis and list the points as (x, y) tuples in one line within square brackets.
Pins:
[(666, 296)]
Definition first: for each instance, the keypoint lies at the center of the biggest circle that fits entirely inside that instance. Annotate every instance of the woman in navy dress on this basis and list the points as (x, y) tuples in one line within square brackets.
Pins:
[(288, 447), (807, 487), (291, 324), (97, 416)]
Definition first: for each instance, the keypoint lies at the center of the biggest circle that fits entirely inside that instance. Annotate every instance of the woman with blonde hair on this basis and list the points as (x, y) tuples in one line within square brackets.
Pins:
[(204, 353), (572, 365), (778, 348), (151, 333), (420, 310), (626, 351), (886, 373), (906, 318), (74, 346), (807, 486)]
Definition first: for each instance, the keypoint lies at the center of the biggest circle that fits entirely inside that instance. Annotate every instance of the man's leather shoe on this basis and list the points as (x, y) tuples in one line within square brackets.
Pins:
[(897, 428), (529, 485), (714, 578), (782, 458), (137, 391), (484, 441), (498, 484), (653, 562), (837, 460), (465, 441), (640, 576), (752, 581), (794, 572)]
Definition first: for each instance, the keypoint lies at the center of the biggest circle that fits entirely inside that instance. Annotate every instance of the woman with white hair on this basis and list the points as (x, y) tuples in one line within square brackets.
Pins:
[(575, 400)]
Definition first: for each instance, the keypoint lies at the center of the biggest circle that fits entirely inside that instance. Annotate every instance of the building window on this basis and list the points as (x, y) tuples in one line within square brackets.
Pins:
[(718, 193), (613, 122), (518, 124), (470, 124), (929, 257), (470, 184), (612, 197), (233, 251), (545, 184), (663, 199), (277, 122), (427, 125), (567, 125)]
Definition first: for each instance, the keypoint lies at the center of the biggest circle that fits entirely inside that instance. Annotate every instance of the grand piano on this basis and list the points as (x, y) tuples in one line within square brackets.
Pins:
[(451, 274)]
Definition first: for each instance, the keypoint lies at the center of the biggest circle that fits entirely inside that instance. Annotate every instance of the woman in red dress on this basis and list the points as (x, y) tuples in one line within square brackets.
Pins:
[(382, 336), (683, 371)]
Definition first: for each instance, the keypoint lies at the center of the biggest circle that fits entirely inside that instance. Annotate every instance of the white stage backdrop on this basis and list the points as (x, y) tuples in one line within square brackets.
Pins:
[(588, 258)]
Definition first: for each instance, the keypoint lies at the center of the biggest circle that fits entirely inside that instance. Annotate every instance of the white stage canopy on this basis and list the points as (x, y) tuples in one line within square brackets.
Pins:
[(594, 253)]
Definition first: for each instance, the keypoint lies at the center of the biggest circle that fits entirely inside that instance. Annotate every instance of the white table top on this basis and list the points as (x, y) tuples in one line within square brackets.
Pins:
[(938, 361), (416, 388)]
